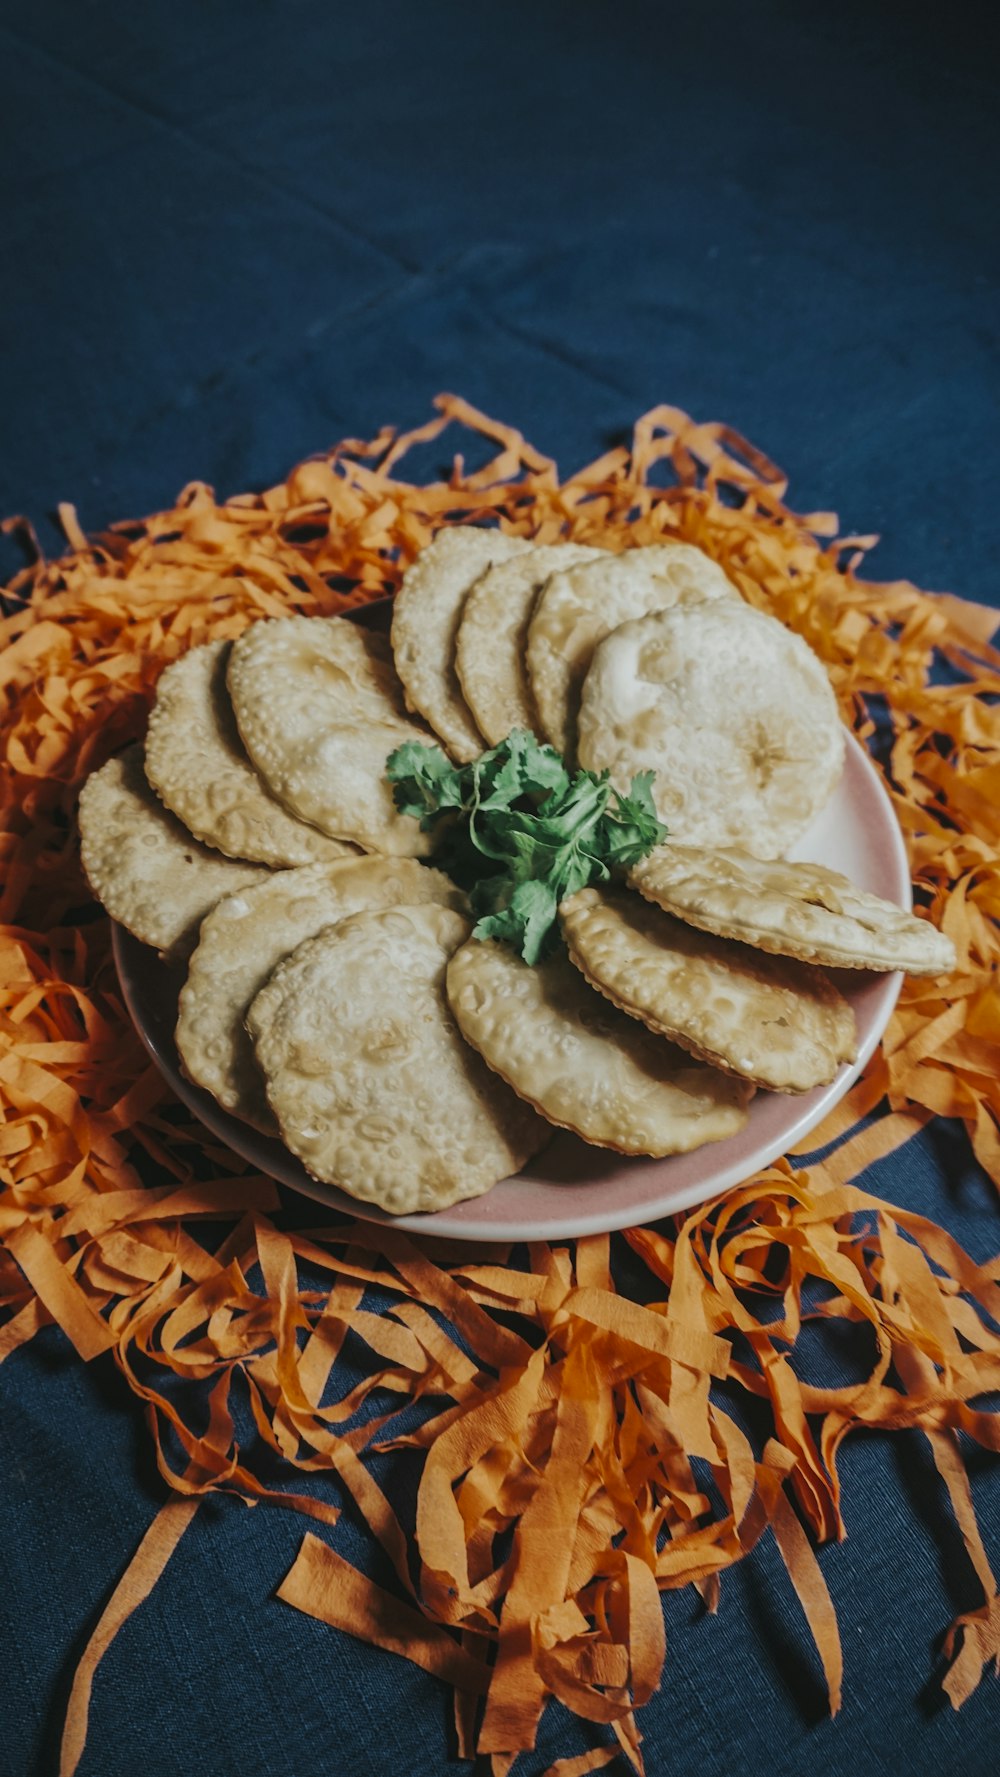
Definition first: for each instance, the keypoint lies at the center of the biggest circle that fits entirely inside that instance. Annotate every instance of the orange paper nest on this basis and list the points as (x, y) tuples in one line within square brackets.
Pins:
[(577, 1455)]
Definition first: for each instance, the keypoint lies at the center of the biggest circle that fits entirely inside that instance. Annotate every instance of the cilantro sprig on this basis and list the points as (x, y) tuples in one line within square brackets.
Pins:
[(520, 833)]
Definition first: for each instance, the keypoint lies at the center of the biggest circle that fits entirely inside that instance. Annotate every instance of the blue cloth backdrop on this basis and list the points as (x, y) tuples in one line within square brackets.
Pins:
[(232, 233)]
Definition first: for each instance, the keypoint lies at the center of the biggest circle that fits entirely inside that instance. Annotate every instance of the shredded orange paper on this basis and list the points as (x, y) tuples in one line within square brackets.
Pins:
[(574, 1469)]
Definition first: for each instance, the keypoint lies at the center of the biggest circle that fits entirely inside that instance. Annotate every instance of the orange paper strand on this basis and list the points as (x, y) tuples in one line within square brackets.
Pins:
[(133, 1588), (577, 1455)]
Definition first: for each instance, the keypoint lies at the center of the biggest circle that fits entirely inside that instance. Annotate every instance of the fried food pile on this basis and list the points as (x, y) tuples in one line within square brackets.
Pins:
[(336, 992)]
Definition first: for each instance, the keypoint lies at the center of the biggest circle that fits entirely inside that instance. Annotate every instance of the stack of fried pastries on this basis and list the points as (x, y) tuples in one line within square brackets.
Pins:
[(335, 996)]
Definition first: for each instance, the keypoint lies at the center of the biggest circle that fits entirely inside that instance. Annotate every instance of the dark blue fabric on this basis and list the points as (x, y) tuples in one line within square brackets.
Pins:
[(234, 233)]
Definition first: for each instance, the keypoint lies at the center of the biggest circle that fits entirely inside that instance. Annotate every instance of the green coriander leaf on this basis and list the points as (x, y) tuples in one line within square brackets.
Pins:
[(491, 894), (632, 828), (535, 906), (577, 869), (519, 766), (583, 797), (521, 833), (528, 922), (543, 766), (638, 805), (424, 780), (502, 925)]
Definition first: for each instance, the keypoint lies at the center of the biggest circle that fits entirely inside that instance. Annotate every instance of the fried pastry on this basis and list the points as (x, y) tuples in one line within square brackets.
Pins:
[(800, 910), (371, 1082), (779, 1023), (425, 618), (143, 866), (493, 633), (200, 770), (581, 1063), (247, 935), (319, 709), (731, 710), (578, 606)]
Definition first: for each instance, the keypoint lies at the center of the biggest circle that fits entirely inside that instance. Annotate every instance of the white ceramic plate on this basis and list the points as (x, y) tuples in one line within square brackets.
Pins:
[(571, 1188)]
